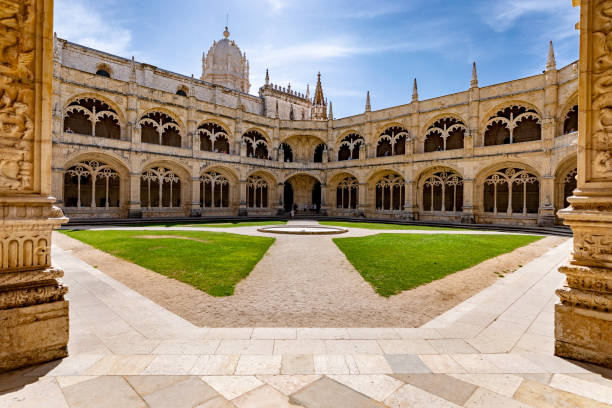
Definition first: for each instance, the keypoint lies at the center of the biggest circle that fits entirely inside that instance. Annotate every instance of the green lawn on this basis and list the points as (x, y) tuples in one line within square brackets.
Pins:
[(383, 226), (393, 263), (229, 224), (210, 261)]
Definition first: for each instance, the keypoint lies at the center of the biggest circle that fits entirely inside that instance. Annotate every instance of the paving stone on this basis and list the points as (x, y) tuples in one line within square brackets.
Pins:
[(504, 384), (288, 384), (445, 386), (232, 386), (442, 363), (103, 392), (170, 365), (246, 347), (304, 346), (351, 364), (411, 396), (187, 347), (120, 365), (513, 363), (72, 365), (595, 378), (418, 333), (452, 346), (411, 346), (297, 364), (327, 393), (274, 333), (483, 398), (406, 363), (543, 396), (263, 397), (229, 333), (184, 394), (588, 389), (322, 333), (382, 333), (372, 364), (215, 365), (43, 393), (67, 381), (217, 402), (146, 384), (475, 363), (376, 386), (330, 364), (251, 365), (352, 347)]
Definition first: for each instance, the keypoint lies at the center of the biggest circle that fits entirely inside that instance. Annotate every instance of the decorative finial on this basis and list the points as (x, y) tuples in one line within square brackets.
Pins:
[(276, 113), (368, 107), (307, 91), (415, 91), (474, 81), (550, 60), (267, 77), (133, 70), (330, 115), (226, 33)]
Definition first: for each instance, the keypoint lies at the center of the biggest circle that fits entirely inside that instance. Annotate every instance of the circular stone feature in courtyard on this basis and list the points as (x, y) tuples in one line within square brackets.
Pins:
[(303, 229)]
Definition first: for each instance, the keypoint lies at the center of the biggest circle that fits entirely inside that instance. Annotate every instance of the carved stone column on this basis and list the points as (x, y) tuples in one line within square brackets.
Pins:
[(583, 318), (33, 312)]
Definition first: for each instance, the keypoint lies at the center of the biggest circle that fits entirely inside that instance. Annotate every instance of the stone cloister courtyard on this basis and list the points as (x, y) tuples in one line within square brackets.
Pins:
[(290, 335)]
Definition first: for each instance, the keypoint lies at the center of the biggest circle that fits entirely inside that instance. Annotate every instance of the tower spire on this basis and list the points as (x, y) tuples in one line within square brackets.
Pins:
[(550, 60), (330, 115), (415, 91), (368, 107), (319, 104), (267, 77), (474, 81)]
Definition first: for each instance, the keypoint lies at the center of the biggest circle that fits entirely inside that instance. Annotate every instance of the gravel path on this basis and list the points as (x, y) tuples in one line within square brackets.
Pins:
[(306, 281)]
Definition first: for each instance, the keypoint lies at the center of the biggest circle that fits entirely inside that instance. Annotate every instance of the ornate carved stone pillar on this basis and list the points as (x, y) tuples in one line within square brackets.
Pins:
[(242, 211), (410, 208), (583, 318), (33, 312), (135, 203), (195, 210)]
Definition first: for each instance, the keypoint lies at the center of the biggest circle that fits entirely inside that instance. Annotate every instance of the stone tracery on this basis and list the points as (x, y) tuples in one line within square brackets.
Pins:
[(257, 188), (347, 193), (160, 128), (86, 174), (437, 191), (90, 116), (215, 190), (167, 184), (256, 145), (511, 191), (513, 124), (349, 147), (445, 134), (213, 138), (392, 142), (390, 192)]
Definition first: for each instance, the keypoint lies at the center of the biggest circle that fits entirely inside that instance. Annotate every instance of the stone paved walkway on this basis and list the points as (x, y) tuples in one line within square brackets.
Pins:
[(493, 350)]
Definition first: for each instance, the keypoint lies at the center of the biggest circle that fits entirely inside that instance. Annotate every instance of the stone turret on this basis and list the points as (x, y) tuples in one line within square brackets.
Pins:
[(415, 91), (319, 105)]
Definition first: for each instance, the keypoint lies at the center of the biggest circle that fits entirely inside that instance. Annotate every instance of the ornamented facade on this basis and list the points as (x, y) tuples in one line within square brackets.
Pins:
[(133, 140)]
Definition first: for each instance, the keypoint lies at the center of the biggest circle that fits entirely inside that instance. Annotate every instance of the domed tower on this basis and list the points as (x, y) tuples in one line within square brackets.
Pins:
[(226, 65)]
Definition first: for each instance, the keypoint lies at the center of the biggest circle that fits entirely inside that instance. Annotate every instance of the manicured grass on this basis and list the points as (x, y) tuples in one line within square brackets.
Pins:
[(227, 224), (393, 263), (383, 226), (210, 261)]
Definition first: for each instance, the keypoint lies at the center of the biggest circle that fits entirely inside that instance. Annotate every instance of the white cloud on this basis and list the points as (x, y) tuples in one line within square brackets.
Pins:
[(277, 5), (505, 14), (79, 22)]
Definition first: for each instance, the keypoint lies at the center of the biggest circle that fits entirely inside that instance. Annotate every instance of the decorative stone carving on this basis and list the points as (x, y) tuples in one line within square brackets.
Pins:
[(33, 312), (583, 319)]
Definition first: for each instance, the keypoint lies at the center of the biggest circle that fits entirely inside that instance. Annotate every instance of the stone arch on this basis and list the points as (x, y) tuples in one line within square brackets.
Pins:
[(219, 187), (261, 195), (95, 180), (512, 122), (439, 116), (565, 182), (213, 137), (345, 133), (391, 141), (89, 114), (99, 97), (161, 126), (345, 192), (216, 121), (348, 147), (104, 69), (387, 187), (445, 132), (440, 190), (521, 196), (568, 114), (165, 185), (257, 143)]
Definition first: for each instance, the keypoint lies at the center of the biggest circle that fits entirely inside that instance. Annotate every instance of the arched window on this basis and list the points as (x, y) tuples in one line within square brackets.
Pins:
[(159, 128), (390, 193), (89, 116), (349, 147), (181, 92), (445, 134), (256, 143), (213, 138), (511, 191), (443, 191), (214, 189), (569, 185), (160, 187), (91, 184), (257, 192), (392, 142), (514, 124), (287, 152), (570, 124), (103, 72), (347, 193), (318, 153)]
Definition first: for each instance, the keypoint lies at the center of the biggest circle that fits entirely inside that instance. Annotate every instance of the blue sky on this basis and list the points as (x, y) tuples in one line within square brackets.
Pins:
[(358, 45)]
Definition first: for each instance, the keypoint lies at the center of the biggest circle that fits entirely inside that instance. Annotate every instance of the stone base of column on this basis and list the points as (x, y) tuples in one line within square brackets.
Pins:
[(243, 212), (280, 211), (583, 334), (33, 334), (468, 219), (195, 212), (134, 213), (546, 220)]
